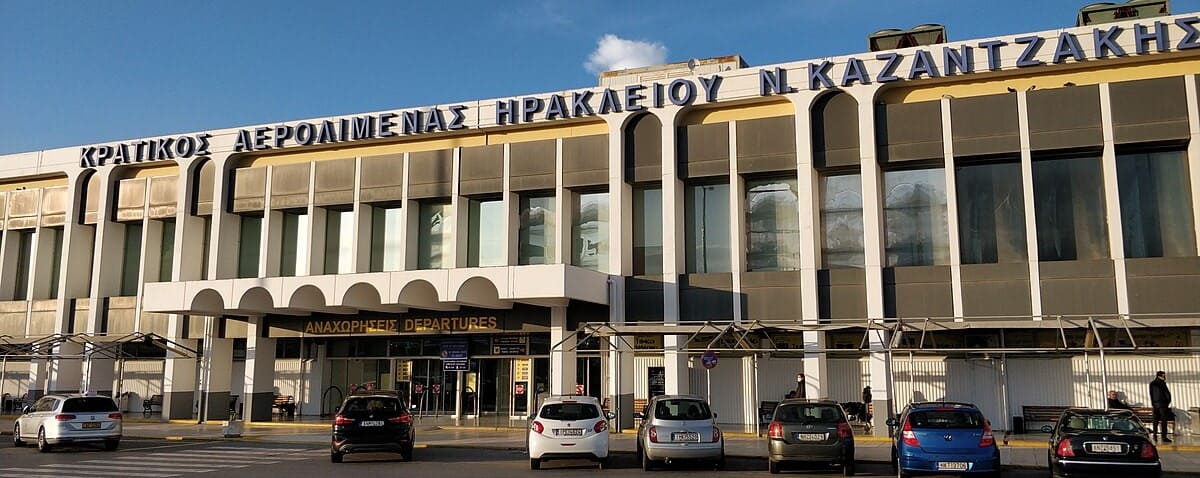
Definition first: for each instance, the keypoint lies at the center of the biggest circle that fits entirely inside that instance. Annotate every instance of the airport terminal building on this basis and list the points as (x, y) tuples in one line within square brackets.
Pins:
[(1010, 221)]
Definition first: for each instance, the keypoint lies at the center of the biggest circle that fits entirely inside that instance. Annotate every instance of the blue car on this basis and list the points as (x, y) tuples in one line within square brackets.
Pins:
[(944, 438)]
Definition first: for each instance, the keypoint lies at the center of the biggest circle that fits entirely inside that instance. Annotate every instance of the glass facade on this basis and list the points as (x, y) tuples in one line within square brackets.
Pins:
[(166, 251), (387, 248), (293, 243), (435, 235), (249, 244), (991, 213), (485, 247), (706, 228), (842, 221), (1068, 202), (536, 237), (131, 259), (916, 226), (772, 225), (1156, 204), (589, 231), (24, 259), (647, 231)]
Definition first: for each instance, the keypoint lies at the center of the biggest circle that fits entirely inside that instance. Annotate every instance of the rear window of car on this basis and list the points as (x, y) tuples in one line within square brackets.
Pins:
[(803, 413), (946, 419), (682, 409), (1100, 422), (372, 405), (89, 404), (569, 411)]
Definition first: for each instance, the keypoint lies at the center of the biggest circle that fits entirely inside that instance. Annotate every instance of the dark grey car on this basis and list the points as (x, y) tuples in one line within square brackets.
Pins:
[(810, 431)]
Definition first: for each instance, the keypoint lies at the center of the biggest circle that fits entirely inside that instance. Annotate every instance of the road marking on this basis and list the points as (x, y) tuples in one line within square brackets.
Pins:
[(247, 454), (153, 466), (122, 468), (7, 475), (290, 450), (188, 462), (91, 473)]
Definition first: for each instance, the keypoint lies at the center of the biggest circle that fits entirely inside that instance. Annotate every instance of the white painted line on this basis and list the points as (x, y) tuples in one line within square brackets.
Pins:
[(249, 454), (287, 450), (55, 475), (205, 456), (91, 473), (181, 462), (121, 468), (143, 465)]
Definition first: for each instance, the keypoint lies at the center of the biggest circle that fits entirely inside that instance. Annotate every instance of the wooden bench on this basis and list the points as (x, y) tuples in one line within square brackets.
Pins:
[(149, 404), (286, 405), (639, 406), (1040, 414), (1146, 415)]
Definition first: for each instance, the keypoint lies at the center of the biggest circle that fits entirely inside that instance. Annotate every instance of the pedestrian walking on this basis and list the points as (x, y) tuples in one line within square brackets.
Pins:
[(1160, 399), (1115, 403)]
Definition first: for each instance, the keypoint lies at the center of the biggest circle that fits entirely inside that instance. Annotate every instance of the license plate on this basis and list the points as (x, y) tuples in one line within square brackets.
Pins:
[(1106, 448), (371, 423), (90, 425), (685, 436), (952, 466), (810, 436), (568, 432)]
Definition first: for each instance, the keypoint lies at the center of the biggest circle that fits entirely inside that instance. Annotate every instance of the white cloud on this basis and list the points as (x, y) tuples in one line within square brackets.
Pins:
[(616, 53)]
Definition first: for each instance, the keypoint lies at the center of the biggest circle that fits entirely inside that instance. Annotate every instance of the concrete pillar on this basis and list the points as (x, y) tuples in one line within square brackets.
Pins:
[(675, 357), (808, 189), (312, 385), (216, 369), (259, 390), (562, 355), (1035, 281), (179, 382), (881, 391), (620, 263)]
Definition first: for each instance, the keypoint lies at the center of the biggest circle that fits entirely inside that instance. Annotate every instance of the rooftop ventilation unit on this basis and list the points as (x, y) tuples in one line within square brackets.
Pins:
[(1109, 12), (920, 35), (666, 73)]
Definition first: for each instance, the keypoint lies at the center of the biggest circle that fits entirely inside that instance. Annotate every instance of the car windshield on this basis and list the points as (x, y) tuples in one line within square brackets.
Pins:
[(946, 419), (1100, 422), (89, 404), (372, 405), (682, 409), (569, 411), (804, 413)]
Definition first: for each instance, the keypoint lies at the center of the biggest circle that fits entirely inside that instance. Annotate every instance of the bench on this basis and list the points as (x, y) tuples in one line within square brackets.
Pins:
[(639, 406), (286, 405), (149, 404), (1040, 414), (1146, 415)]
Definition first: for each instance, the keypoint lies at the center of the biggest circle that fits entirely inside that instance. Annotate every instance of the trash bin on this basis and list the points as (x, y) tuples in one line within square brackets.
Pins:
[(1194, 417)]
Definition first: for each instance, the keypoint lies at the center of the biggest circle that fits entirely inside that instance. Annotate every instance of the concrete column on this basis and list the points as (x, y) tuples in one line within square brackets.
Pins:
[(313, 383), (217, 368), (881, 374), (460, 213), (675, 358), (1193, 151), (271, 235), (74, 269), (179, 379), (951, 208), (224, 237), (564, 199), (873, 246), (179, 371), (363, 217), (1035, 281), (511, 222), (620, 263), (562, 355), (737, 224), (815, 369), (99, 373), (259, 390), (1112, 201)]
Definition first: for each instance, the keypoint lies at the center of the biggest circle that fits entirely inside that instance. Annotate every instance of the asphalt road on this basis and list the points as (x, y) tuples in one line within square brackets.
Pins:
[(160, 458)]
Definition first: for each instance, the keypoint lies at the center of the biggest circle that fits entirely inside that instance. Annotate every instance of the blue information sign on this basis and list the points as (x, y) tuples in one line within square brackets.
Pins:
[(454, 355), (709, 359)]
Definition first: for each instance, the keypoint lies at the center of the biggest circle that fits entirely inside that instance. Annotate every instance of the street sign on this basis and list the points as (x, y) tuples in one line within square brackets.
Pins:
[(709, 359), (419, 389), (454, 355), (437, 388), (579, 389), (519, 389)]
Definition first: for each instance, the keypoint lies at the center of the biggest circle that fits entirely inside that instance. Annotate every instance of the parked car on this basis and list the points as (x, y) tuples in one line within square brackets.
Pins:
[(69, 418), (568, 427), (944, 438), (679, 428), (372, 422), (1087, 442), (810, 431)]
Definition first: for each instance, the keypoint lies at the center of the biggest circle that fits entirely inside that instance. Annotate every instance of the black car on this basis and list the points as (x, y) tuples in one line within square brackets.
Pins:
[(372, 422), (1087, 442)]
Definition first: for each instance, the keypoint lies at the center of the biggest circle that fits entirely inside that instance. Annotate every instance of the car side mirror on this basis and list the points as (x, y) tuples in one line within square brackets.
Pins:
[(610, 415), (891, 422), (639, 415), (1047, 429)]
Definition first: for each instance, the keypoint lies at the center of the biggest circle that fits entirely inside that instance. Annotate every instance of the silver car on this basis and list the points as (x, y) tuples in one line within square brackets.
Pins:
[(679, 428), (61, 419)]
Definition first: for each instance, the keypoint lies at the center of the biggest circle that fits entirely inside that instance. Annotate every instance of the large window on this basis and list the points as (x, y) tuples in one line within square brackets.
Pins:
[(293, 238), (435, 235), (842, 221), (1156, 204), (991, 213), (914, 216), (340, 233), (249, 246), (131, 259), (24, 261), (536, 237), (772, 225), (485, 246), (1068, 202), (589, 231), (56, 241), (647, 231), (204, 247), (166, 251), (706, 228), (386, 246)]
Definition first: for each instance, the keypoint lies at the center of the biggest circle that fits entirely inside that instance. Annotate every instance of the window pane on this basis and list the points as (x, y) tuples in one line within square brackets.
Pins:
[(841, 221), (647, 231), (166, 256), (55, 259), (1068, 201), (1156, 204), (589, 233), (706, 228), (204, 247), (914, 216), (293, 258), (339, 241), (435, 235), (24, 257), (250, 237), (991, 213), (485, 247), (536, 238), (386, 248), (772, 225), (130, 266)]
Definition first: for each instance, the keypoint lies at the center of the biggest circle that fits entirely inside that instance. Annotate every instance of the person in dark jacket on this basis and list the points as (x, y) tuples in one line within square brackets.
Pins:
[(1115, 403), (1160, 399)]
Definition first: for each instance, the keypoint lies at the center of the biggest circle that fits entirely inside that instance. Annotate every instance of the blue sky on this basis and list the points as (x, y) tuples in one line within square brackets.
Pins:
[(78, 72)]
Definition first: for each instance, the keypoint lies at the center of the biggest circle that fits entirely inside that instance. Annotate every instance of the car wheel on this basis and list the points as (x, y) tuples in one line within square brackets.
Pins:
[(535, 464), (647, 463), (720, 464), (406, 454), (17, 435), (848, 469), (773, 467), (335, 457), (42, 444), (602, 463), (111, 445)]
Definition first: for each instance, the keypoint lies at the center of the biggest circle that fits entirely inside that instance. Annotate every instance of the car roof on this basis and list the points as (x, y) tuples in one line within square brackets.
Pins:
[(931, 405), (374, 394), (808, 401), (1098, 411), (673, 397), (570, 398)]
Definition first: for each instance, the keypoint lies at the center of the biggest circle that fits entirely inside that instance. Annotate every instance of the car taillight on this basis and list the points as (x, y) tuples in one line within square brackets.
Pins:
[(775, 430), (844, 430), (405, 418), (114, 416), (716, 435), (653, 434), (537, 427), (340, 420), (988, 439), (1064, 448), (1149, 451), (601, 426), (908, 436), (62, 417)]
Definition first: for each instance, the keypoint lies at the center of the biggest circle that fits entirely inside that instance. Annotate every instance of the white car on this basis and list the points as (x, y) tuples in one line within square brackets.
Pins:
[(568, 427), (74, 418)]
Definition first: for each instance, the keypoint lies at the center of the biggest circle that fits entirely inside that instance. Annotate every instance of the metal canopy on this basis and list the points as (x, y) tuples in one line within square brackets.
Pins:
[(101, 346)]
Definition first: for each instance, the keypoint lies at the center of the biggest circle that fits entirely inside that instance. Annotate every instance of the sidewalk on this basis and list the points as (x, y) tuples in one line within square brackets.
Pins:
[(1022, 451)]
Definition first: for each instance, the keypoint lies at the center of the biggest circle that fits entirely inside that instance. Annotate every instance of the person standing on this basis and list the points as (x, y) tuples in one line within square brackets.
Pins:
[(1160, 399)]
